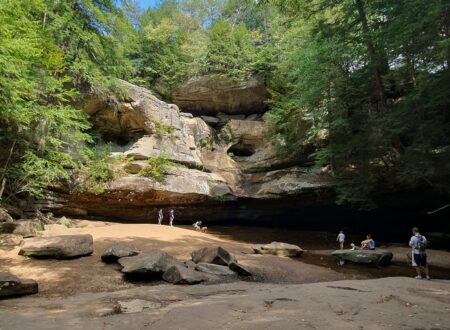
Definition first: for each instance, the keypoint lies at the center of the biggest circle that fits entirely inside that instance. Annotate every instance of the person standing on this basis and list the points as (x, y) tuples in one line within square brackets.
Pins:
[(341, 239), (171, 217), (418, 243), (160, 216)]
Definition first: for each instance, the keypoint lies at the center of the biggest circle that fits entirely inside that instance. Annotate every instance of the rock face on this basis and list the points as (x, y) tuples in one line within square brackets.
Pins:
[(58, 247), (11, 285), (117, 251), (376, 257), (210, 162), (212, 94), (149, 265), (4, 216), (178, 274), (279, 249), (25, 228)]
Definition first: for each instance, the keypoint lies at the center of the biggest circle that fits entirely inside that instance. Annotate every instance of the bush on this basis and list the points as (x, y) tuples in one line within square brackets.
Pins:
[(156, 168)]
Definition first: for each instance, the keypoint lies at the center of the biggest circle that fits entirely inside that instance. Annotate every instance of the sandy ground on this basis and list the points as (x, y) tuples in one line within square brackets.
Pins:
[(89, 274)]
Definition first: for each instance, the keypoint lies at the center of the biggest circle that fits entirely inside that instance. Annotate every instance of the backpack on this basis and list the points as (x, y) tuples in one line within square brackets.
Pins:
[(421, 243)]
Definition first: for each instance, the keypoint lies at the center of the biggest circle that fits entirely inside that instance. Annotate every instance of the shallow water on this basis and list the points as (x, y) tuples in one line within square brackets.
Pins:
[(319, 244)]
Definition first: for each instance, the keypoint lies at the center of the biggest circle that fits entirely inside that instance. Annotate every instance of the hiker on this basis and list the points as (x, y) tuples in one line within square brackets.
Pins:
[(198, 225), (418, 243), (160, 216), (368, 243), (341, 239), (171, 215)]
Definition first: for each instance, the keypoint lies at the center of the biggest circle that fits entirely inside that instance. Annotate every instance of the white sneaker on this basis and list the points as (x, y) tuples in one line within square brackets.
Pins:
[(418, 277)]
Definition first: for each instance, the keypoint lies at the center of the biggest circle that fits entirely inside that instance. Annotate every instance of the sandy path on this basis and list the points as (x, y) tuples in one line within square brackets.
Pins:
[(89, 274)]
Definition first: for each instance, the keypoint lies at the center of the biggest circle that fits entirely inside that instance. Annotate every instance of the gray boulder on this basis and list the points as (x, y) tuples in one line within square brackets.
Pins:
[(376, 257), (178, 274), (214, 269), (58, 247), (213, 255), (10, 239), (25, 228), (237, 268), (117, 251), (278, 249), (149, 265), (11, 285)]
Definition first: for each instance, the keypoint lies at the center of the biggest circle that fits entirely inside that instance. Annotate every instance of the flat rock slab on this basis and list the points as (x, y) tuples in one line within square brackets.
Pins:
[(237, 268), (213, 255), (11, 285), (117, 251), (377, 257), (10, 239), (149, 265), (179, 274), (214, 269), (278, 249), (58, 247), (138, 305)]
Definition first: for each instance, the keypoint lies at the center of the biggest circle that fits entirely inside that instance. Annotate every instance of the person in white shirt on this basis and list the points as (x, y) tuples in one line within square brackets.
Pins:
[(172, 216), (418, 243), (341, 239), (160, 217), (197, 225)]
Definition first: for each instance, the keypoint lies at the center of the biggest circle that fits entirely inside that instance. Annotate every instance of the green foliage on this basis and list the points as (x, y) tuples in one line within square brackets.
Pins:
[(156, 168), (97, 171), (40, 227), (365, 84), (162, 130)]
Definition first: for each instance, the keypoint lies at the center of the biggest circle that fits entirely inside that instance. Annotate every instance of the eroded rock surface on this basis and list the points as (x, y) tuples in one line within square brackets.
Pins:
[(211, 94), (179, 274), (11, 285), (279, 249), (378, 257), (150, 265), (58, 247), (117, 251)]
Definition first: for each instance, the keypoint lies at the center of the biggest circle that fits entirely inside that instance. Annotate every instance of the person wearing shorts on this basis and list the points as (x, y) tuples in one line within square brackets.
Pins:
[(419, 256), (341, 239)]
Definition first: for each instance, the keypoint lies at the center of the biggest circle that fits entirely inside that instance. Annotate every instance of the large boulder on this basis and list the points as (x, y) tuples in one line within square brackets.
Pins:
[(213, 255), (58, 247), (376, 257), (179, 274), (117, 251), (11, 285), (211, 94), (214, 269), (278, 249), (148, 265)]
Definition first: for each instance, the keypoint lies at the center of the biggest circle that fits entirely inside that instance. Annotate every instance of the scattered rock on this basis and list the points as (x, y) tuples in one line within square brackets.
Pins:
[(279, 249), (178, 274), (117, 251), (376, 257), (10, 239), (149, 265), (190, 264), (138, 305), (58, 247), (213, 255), (64, 221), (214, 269), (235, 267), (26, 228), (4, 216), (11, 285), (213, 121)]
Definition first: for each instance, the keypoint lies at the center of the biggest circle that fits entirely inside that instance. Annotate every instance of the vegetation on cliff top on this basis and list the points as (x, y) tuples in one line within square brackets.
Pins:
[(364, 82)]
